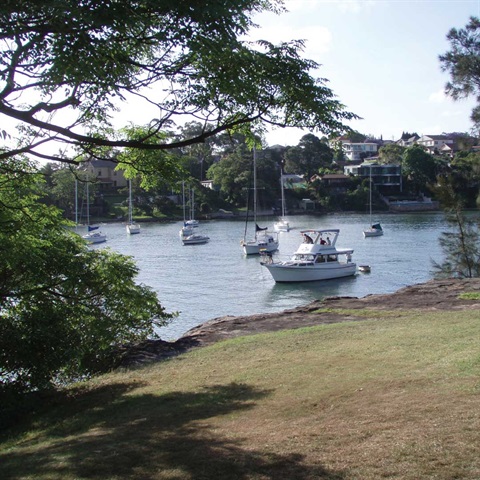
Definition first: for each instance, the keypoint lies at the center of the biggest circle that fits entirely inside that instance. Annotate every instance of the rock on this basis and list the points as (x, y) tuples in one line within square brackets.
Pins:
[(432, 295)]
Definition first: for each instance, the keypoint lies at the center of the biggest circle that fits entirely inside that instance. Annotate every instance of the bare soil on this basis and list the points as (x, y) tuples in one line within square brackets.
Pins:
[(432, 295)]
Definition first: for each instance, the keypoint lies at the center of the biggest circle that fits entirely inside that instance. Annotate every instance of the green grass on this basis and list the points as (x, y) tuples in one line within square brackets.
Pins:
[(391, 397), (470, 296)]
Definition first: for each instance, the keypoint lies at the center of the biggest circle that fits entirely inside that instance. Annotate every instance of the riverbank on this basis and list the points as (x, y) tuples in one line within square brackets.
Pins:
[(441, 295)]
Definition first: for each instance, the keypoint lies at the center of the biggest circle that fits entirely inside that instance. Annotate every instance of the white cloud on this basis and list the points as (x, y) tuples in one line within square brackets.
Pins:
[(437, 97)]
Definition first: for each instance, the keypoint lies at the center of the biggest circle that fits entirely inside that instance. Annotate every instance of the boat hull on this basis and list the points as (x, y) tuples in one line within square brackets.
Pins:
[(288, 272), (372, 233), (195, 239), (133, 228), (96, 237), (257, 247)]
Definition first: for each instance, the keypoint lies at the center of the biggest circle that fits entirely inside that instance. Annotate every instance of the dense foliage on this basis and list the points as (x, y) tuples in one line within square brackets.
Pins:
[(63, 306)]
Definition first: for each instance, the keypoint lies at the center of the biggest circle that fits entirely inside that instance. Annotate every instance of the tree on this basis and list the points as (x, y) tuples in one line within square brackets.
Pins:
[(63, 307), (391, 154), (177, 59), (419, 167), (308, 156), (460, 246), (462, 62)]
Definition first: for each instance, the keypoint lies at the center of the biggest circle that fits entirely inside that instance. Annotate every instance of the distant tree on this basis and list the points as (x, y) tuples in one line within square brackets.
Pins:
[(232, 175), (461, 247), (308, 156), (419, 167), (407, 135), (462, 62), (356, 137), (391, 154)]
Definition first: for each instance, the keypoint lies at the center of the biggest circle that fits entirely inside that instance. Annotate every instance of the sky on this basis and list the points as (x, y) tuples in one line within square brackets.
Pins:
[(381, 61)]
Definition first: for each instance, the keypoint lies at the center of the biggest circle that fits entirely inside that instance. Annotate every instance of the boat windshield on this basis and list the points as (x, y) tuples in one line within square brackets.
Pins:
[(303, 258)]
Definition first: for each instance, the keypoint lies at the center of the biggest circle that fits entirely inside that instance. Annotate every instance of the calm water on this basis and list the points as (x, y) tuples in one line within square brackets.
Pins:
[(202, 282)]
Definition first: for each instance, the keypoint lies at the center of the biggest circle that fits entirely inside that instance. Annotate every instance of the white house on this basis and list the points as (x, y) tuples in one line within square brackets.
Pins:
[(355, 151), (434, 143)]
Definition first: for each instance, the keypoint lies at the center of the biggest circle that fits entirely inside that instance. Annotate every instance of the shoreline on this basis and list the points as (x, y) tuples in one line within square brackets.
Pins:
[(432, 295)]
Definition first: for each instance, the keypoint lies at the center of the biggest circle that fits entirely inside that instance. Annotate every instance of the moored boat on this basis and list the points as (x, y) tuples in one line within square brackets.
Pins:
[(317, 258), (195, 239)]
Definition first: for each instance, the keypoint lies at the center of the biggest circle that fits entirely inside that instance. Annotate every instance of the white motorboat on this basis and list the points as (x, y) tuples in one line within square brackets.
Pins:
[(375, 229), (317, 258), (264, 240), (282, 225), (131, 227), (195, 239)]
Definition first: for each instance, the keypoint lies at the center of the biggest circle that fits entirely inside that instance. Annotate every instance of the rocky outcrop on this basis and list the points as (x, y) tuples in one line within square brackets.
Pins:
[(432, 295)]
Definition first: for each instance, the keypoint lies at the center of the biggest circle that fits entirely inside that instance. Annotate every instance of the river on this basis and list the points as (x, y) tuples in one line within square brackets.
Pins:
[(203, 282)]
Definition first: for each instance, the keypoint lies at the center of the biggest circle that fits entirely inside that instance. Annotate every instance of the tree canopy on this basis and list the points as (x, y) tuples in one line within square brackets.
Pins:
[(462, 62), (66, 66), (63, 307)]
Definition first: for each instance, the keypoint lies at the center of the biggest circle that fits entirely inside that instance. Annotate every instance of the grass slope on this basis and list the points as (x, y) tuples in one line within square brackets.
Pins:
[(396, 396)]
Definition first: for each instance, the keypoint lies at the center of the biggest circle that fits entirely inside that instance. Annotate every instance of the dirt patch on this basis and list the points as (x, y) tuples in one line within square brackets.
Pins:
[(432, 295)]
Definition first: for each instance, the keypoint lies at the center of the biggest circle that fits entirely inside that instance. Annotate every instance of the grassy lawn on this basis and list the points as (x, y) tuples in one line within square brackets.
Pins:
[(396, 396)]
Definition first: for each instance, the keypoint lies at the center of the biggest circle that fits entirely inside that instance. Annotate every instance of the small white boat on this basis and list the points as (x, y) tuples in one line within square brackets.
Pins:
[(263, 241), (282, 225), (364, 268), (195, 239), (374, 231), (94, 237), (317, 258)]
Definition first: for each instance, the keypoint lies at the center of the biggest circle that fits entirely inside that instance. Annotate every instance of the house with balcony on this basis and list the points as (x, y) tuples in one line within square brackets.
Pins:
[(386, 178), (355, 151)]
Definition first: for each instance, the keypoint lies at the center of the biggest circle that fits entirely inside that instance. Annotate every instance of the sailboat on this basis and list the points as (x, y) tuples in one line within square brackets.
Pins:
[(188, 233), (264, 241), (282, 225), (94, 235), (131, 226), (375, 229)]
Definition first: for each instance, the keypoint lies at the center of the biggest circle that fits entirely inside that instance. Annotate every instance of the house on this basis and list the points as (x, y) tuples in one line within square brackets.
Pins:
[(355, 151), (337, 182), (386, 178), (407, 141), (434, 143), (105, 175)]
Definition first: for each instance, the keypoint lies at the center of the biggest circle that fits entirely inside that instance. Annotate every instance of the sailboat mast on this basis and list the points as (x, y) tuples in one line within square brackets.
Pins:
[(370, 195), (283, 194), (130, 213), (88, 204), (183, 199), (255, 188)]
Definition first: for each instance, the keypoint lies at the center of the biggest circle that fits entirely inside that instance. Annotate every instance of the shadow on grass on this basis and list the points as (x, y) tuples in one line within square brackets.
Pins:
[(107, 434)]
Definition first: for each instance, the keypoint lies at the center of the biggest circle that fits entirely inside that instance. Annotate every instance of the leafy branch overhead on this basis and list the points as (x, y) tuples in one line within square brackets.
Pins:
[(179, 60)]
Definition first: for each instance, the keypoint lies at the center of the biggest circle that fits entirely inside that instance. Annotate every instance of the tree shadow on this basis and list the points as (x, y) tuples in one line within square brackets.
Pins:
[(113, 435)]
